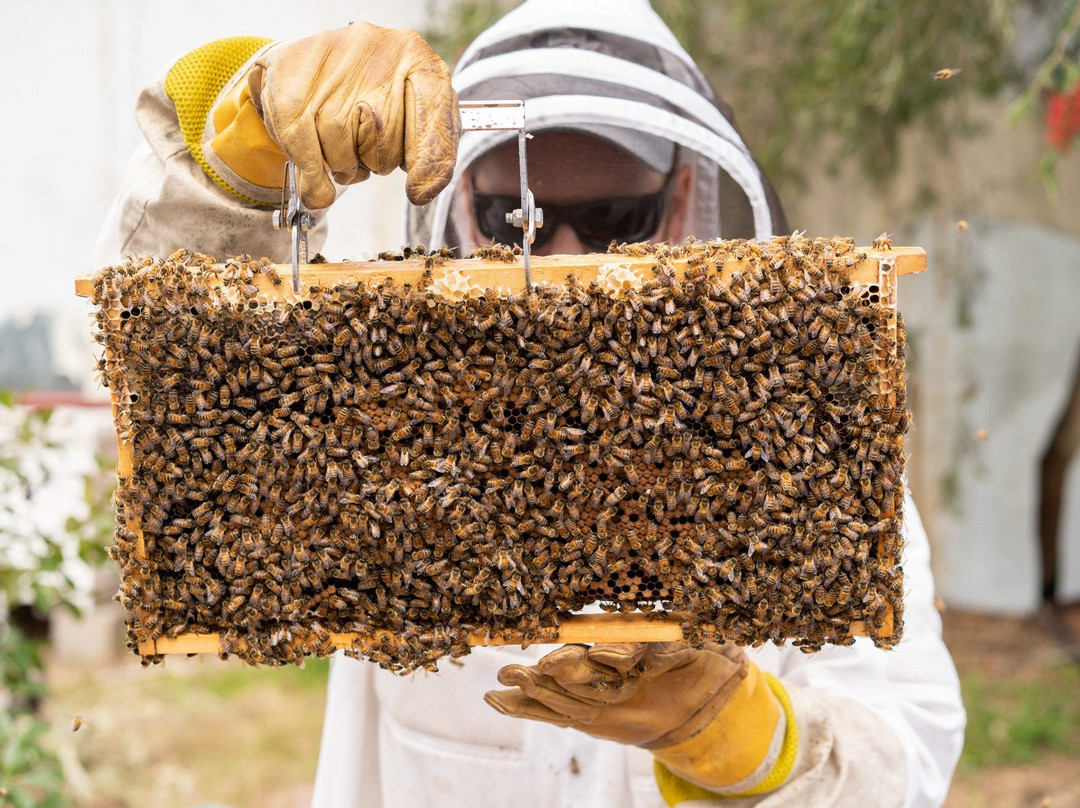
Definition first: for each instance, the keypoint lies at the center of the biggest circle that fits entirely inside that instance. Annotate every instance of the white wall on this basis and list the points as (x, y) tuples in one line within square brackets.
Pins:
[(72, 73), (1016, 268), (1006, 373)]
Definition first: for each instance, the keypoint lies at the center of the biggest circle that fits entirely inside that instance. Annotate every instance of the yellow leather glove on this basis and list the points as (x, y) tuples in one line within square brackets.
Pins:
[(348, 103), (709, 716)]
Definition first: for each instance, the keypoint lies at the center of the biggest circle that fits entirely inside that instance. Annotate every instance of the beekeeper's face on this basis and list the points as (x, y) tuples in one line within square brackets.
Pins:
[(591, 192)]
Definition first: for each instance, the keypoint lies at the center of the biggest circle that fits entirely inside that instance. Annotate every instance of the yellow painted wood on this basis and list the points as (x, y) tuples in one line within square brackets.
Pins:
[(576, 628), (504, 276)]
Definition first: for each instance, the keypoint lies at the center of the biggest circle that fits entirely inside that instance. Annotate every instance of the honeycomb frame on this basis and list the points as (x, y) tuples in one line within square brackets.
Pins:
[(253, 289)]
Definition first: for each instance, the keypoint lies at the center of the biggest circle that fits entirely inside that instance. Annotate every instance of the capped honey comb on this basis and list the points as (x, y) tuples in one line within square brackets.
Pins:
[(413, 463)]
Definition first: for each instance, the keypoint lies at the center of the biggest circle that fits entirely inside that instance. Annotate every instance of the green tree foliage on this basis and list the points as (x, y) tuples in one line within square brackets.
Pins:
[(1056, 82), (844, 80), (457, 23), (834, 80)]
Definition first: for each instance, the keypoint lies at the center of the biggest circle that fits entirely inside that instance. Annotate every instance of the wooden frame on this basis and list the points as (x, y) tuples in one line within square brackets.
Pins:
[(507, 276), (880, 267)]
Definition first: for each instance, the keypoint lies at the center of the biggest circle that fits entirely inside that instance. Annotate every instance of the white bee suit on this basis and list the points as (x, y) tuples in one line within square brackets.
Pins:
[(876, 728)]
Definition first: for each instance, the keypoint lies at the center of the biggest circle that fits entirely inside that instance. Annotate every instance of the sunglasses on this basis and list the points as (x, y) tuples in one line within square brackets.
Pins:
[(597, 222)]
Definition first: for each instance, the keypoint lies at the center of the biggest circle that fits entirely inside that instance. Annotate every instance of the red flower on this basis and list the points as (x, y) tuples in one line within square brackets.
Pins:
[(1063, 118)]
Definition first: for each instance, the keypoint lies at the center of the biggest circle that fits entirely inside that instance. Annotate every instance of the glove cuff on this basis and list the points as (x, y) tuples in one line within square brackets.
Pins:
[(242, 141), (748, 749), (225, 137)]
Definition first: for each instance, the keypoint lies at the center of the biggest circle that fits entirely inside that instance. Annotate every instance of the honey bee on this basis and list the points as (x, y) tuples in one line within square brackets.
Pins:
[(495, 252), (884, 241), (944, 74), (844, 595), (616, 496), (235, 604)]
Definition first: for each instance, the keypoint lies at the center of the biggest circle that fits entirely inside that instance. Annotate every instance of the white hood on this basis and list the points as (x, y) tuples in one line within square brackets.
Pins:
[(609, 68)]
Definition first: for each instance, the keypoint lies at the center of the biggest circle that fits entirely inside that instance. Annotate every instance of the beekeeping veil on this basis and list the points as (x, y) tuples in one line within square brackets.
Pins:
[(611, 69)]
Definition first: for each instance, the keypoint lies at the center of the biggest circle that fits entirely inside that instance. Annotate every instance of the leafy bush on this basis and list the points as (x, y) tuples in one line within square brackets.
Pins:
[(34, 579), (30, 775)]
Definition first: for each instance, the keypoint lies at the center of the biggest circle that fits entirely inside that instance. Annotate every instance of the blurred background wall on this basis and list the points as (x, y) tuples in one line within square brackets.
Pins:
[(994, 335), (76, 70), (994, 341), (994, 326)]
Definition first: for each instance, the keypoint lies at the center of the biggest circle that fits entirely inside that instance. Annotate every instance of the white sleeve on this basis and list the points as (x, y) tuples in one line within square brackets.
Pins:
[(167, 201), (913, 689), (348, 771)]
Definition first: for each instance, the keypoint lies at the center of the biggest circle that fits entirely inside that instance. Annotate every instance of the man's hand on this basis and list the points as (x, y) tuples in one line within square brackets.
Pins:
[(358, 100), (707, 714), (633, 693)]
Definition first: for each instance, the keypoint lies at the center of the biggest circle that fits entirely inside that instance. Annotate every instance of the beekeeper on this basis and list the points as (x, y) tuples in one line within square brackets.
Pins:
[(630, 144)]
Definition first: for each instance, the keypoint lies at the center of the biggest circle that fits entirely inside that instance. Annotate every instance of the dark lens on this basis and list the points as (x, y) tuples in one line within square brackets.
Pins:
[(633, 219), (490, 212)]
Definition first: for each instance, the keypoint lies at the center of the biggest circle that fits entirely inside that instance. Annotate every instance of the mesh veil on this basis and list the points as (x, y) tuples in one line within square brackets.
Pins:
[(611, 69)]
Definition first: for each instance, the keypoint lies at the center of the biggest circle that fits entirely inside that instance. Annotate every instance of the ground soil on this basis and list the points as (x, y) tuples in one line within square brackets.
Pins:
[(189, 734), (996, 648), (201, 731)]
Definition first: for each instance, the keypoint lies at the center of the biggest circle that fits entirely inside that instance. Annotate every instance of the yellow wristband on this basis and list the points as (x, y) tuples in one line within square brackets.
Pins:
[(195, 82), (242, 142), (719, 772)]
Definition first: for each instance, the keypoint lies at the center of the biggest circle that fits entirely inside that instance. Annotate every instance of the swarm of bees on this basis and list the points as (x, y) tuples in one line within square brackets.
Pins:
[(432, 259), (376, 460), (497, 252)]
